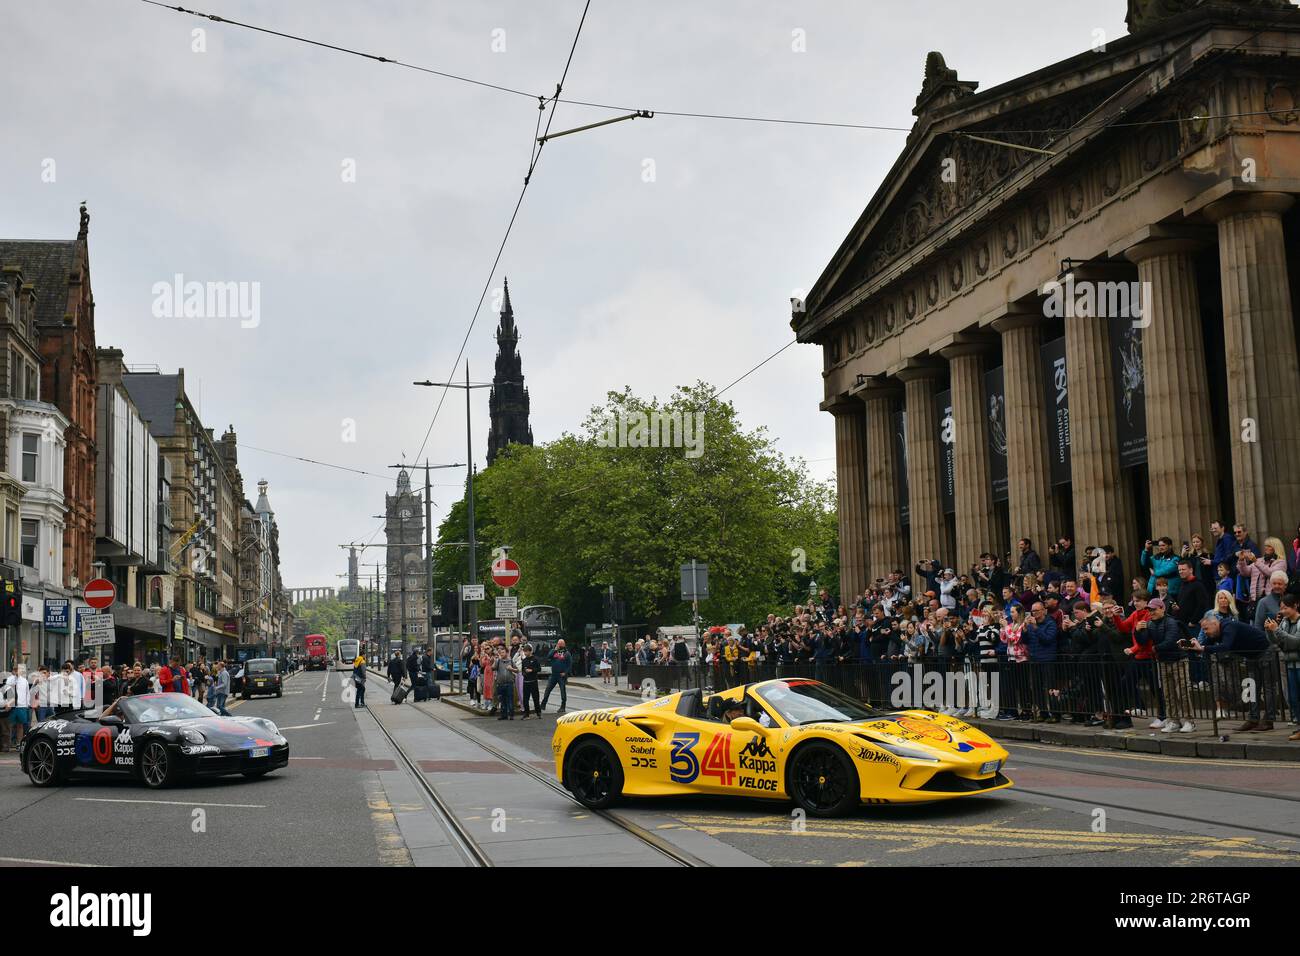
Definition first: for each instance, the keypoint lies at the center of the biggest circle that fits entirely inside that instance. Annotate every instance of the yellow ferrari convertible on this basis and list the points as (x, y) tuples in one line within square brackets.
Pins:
[(785, 739)]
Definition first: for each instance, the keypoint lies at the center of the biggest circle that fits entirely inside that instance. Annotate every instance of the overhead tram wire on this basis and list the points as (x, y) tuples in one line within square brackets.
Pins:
[(535, 156), (687, 114)]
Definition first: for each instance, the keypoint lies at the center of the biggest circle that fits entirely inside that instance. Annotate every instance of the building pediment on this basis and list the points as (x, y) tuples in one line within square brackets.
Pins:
[(943, 174)]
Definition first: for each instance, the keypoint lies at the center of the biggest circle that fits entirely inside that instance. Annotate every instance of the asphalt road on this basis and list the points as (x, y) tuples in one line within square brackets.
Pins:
[(325, 808), (345, 800), (1086, 808)]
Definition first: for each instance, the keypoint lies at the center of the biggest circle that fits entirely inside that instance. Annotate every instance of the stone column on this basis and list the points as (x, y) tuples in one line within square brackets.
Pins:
[(925, 508), (1263, 379), (851, 483), (1180, 440), (1103, 502), (884, 519), (1030, 509), (976, 528)]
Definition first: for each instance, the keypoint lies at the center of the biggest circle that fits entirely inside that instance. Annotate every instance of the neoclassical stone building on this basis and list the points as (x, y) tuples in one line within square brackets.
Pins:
[(1070, 307)]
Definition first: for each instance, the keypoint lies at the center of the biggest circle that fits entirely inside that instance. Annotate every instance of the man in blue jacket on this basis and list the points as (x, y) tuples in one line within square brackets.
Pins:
[(1040, 634), (561, 663), (1253, 646)]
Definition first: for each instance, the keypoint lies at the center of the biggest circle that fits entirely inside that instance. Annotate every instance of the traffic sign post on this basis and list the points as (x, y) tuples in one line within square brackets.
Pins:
[(97, 629), (100, 593), (695, 586), (505, 573)]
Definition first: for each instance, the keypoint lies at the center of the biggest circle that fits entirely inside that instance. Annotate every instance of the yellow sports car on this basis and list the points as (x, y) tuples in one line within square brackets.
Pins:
[(787, 739)]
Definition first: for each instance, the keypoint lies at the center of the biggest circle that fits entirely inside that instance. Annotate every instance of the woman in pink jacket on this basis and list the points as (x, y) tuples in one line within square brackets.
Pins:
[(1273, 559)]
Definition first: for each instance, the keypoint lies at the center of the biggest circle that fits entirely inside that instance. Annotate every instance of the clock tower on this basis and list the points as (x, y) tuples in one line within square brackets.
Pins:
[(404, 530)]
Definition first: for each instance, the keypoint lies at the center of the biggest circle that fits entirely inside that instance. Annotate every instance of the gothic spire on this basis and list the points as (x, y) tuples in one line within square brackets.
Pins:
[(508, 401)]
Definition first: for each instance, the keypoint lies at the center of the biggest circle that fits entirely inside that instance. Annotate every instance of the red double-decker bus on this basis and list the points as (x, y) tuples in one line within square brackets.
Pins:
[(318, 652)]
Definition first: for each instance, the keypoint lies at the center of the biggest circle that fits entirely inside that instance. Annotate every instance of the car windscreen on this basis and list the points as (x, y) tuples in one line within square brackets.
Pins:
[(151, 708), (808, 702)]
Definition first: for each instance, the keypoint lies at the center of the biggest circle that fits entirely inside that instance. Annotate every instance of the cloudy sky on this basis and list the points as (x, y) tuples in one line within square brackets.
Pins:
[(227, 164)]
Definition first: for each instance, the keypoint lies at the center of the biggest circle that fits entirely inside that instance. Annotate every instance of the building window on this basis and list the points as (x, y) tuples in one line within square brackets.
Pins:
[(31, 455), (31, 541), (33, 383)]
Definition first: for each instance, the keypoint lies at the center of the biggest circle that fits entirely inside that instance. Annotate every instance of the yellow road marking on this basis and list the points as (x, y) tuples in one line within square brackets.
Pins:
[(926, 836), (1153, 758)]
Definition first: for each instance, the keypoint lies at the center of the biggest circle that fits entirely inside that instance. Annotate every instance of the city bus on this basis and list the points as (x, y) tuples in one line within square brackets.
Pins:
[(318, 652), (541, 624), (349, 650)]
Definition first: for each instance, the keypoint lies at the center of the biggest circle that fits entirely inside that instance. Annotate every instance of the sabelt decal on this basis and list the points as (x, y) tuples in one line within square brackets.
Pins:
[(642, 756)]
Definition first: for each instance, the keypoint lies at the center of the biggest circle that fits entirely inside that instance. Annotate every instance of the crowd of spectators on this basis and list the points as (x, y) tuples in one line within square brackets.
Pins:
[(1203, 627)]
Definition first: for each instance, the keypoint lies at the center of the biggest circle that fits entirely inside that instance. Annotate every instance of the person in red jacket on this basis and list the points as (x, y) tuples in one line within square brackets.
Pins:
[(173, 678)]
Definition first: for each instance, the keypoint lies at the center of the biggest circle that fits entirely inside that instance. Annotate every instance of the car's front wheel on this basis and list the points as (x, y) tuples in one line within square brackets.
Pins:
[(42, 765), (595, 776), (823, 780), (156, 766)]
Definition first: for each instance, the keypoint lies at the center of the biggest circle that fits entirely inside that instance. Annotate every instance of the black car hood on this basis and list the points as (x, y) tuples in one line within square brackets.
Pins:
[(228, 733)]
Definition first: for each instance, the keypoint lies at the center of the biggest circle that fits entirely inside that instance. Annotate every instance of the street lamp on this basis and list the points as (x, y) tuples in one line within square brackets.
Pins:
[(469, 476)]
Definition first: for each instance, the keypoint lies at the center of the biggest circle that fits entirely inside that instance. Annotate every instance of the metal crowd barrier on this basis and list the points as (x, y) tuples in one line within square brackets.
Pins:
[(1225, 689)]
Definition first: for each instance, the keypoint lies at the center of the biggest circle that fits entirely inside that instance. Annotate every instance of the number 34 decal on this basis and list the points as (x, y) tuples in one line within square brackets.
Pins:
[(685, 766)]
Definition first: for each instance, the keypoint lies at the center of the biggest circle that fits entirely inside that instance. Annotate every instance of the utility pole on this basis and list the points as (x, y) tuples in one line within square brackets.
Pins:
[(469, 480)]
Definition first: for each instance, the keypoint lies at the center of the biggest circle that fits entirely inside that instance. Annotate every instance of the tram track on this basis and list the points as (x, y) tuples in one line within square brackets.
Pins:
[(461, 839), (1019, 759), (633, 829)]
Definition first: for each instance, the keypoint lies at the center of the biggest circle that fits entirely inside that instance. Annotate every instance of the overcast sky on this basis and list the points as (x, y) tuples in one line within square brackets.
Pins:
[(227, 165)]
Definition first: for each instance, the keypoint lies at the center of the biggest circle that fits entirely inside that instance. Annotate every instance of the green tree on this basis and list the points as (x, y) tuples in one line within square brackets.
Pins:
[(334, 618), (590, 510)]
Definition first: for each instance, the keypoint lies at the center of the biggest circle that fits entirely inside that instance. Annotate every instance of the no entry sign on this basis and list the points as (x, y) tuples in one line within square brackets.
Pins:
[(505, 573), (100, 593)]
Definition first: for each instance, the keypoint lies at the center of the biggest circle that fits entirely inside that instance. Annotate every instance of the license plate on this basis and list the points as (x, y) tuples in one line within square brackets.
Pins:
[(990, 766), (260, 752)]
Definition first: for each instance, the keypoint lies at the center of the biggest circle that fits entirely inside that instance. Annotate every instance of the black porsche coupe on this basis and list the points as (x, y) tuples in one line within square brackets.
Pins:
[(158, 738)]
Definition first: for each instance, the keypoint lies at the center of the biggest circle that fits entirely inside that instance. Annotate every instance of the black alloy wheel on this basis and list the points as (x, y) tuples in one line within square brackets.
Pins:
[(42, 767), (155, 765), (595, 776), (823, 781)]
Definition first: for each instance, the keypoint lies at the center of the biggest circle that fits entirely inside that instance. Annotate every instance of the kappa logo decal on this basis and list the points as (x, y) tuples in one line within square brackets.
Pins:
[(757, 747)]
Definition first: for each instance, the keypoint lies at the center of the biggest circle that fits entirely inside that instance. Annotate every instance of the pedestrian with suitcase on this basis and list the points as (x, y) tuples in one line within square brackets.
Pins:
[(396, 672)]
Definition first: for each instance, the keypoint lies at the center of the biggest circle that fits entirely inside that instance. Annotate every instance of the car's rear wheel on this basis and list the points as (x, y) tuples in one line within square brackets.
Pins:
[(42, 765), (279, 693), (156, 765), (823, 780), (595, 776)]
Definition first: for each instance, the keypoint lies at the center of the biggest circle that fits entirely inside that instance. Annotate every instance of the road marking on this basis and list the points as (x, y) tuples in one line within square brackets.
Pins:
[(923, 836), (175, 803), (305, 726), (19, 859), (1159, 758)]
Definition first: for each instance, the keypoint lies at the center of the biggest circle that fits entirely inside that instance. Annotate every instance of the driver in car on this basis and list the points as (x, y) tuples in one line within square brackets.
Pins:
[(732, 709)]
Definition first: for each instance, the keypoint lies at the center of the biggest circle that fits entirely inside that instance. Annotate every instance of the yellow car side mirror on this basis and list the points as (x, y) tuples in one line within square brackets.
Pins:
[(747, 725)]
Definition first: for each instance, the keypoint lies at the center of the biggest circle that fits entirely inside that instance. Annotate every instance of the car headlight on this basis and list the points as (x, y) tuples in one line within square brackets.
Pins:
[(910, 753), (270, 726), (191, 736)]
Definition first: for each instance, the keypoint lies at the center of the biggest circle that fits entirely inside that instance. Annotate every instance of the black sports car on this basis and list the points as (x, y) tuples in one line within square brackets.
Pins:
[(159, 738)]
